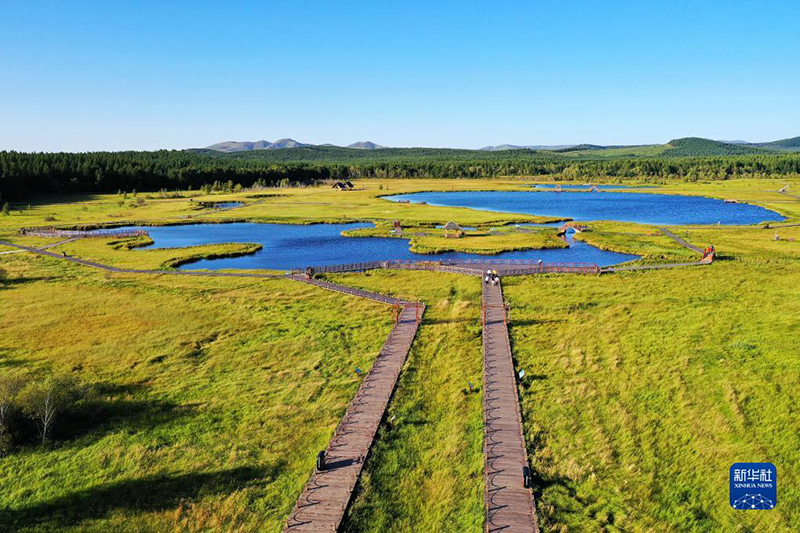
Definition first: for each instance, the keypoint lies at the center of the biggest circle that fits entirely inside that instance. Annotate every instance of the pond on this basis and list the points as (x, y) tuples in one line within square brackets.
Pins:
[(287, 246), (644, 208)]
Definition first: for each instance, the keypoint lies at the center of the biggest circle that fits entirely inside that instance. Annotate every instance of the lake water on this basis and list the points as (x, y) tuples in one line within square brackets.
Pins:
[(288, 246), (644, 208), (585, 186)]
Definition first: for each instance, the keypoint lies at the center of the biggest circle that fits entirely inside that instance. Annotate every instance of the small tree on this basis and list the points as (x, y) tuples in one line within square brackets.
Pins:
[(6, 209), (43, 401)]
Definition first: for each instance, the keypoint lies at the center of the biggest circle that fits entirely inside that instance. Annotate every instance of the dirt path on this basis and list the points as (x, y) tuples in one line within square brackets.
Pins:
[(110, 268)]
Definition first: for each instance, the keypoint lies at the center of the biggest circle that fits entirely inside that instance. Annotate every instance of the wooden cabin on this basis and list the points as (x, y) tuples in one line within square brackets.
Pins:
[(343, 186), (453, 230)]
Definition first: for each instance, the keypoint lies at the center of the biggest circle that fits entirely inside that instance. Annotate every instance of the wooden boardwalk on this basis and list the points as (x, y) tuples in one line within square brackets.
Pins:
[(324, 501), (509, 505), (680, 241), (652, 267)]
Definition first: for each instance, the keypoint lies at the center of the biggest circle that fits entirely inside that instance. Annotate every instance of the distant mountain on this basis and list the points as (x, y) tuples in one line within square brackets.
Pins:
[(365, 145), (236, 146), (792, 144), (684, 147), (246, 146), (501, 147)]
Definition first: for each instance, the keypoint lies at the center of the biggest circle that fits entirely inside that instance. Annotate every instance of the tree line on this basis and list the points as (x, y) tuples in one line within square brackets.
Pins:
[(23, 175)]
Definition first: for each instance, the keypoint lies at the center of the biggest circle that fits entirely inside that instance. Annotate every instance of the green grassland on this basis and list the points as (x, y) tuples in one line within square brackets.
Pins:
[(645, 387), (215, 394), (431, 240)]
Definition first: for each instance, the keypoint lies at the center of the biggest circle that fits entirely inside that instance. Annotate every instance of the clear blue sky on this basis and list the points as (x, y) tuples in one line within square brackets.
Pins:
[(114, 75)]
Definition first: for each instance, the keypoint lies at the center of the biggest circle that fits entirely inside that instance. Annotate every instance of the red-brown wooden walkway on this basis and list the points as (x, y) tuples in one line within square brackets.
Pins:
[(509, 505), (323, 502)]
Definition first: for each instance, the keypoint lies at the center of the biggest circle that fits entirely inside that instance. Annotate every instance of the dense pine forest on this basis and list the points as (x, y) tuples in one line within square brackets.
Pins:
[(23, 175)]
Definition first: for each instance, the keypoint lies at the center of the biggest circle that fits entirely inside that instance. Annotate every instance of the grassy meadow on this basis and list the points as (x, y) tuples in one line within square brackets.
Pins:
[(213, 395), (643, 389)]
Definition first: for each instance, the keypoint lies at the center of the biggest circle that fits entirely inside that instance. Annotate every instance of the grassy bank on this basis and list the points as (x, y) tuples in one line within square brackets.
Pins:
[(431, 240)]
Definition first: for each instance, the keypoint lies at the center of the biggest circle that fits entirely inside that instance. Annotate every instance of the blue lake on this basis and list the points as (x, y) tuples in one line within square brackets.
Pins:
[(288, 246), (585, 186), (644, 208)]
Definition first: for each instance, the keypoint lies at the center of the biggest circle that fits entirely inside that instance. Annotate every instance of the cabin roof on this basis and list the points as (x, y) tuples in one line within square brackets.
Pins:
[(452, 226)]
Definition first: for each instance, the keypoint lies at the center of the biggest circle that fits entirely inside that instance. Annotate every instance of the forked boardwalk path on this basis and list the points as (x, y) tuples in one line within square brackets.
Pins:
[(509, 504), (324, 500)]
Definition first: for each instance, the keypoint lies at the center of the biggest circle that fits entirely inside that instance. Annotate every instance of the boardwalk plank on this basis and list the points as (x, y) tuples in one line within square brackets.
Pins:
[(509, 505), (324, 501)]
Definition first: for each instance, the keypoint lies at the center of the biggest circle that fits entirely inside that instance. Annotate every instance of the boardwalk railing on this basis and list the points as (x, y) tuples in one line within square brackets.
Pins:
[(555, 268), (460, 266), (68, 233)]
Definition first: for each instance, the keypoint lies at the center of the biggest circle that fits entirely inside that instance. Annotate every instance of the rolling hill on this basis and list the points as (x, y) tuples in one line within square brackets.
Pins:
[(237, 146), (792, 144), (280, 144), (290, 151), (366, 145)]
